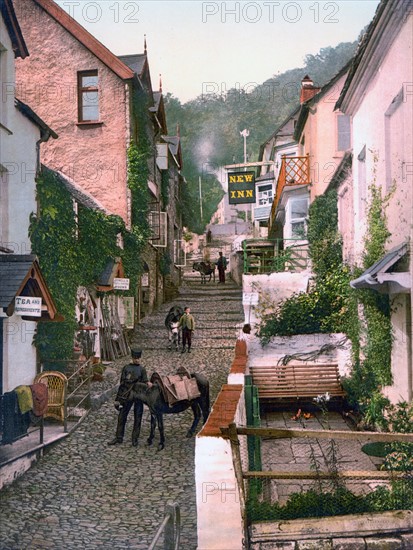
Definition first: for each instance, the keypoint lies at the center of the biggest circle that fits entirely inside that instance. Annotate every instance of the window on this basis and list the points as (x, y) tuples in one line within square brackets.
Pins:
[(298, 217), (265, 195), (158, 225), (343, 133), (88, 96)]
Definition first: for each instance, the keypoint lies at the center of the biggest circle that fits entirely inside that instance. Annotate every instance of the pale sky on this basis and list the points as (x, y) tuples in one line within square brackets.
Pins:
[(203, 47)]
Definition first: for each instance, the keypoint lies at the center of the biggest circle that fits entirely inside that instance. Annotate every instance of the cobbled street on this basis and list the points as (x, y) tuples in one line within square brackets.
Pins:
[(83, 494)]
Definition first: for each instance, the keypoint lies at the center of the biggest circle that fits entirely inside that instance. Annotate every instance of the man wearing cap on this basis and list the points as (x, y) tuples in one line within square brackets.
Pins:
[(131, 373)]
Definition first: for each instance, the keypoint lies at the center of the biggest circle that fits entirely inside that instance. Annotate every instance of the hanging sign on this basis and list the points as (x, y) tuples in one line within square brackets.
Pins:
[(241, 187), (120, 283), (28, 305)]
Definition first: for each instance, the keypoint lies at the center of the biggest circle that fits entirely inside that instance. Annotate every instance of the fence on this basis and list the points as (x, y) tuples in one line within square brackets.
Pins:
[(274, 255), (326, 488)]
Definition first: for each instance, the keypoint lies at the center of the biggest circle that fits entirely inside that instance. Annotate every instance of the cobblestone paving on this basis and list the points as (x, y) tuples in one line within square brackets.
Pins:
[(85, 495)]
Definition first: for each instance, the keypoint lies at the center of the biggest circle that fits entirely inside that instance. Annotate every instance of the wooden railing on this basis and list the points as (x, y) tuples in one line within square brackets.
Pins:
[(294, 171)]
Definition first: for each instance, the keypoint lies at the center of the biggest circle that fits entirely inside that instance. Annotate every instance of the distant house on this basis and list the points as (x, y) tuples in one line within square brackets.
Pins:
[(377, 96), (279, 146), (21, 133)]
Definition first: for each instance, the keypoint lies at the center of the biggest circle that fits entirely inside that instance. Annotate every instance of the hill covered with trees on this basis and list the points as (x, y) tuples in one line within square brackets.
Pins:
[(210, 126)]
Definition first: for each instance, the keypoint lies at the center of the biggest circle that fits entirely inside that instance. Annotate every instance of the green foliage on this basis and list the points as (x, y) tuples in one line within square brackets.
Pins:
[(377, 235), (138, 184), (210, 125), (329, 306), (339, 502), (324, 239), (73, 252), (165, 263), (165, 188)]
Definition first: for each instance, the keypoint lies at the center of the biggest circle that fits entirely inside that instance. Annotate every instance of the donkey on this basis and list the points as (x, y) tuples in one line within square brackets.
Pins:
[(152, 397), (171, 324), (204, 269)]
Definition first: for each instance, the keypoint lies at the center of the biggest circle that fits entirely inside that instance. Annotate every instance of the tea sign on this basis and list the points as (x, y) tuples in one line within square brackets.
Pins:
[(28, 305)]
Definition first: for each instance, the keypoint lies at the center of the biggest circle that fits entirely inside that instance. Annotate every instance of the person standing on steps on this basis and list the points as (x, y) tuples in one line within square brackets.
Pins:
[(187, 322), (222, 266), (131, 373)]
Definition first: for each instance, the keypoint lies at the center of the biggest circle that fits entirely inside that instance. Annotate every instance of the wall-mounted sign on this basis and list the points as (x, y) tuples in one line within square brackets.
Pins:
[(145, 279), (120, 283), (241, 187), (250, 298), (28, 305)]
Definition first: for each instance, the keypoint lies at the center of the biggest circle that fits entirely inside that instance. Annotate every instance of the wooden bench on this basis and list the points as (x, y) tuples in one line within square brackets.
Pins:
[(297, 380)]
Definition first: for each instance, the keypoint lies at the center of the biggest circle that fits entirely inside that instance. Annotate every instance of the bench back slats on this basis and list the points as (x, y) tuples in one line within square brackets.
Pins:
[(297, 380)]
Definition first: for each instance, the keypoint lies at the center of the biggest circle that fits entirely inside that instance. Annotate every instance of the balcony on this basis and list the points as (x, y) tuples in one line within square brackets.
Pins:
[(274, 255), (294, 171)]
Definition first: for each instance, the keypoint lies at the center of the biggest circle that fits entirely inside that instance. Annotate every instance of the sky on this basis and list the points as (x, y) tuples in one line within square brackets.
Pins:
[(204, 47)]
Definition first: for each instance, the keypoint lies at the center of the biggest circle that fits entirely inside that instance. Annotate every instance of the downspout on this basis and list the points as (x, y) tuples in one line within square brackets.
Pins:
[(44, 136)]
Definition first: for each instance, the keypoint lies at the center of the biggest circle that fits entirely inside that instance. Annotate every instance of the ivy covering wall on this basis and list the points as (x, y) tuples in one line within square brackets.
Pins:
[(73, 251), (333, 306)]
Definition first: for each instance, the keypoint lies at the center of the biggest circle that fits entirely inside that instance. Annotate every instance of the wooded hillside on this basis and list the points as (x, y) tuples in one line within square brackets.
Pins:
[(210, 125)]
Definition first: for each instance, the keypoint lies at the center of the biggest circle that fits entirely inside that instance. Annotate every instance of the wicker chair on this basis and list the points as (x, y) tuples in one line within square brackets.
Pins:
[(56, 383)]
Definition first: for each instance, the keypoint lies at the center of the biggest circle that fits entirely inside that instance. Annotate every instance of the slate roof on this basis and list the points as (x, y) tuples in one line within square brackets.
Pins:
[(173, 142), (31, 115), (136, 62), (13, 269), (13, 28), (112, 269), (369, 278), (361, 48), (80, 196)]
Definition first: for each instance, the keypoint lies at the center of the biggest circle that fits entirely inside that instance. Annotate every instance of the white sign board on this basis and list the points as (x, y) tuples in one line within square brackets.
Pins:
[(250, 298), (145, 279), (27, 305), (120, 284)]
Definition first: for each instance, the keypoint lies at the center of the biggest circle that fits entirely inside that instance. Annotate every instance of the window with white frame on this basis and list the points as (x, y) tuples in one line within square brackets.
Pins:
[(343, 133), (179, 253), (158, 224), (265, 194), (298, 214)]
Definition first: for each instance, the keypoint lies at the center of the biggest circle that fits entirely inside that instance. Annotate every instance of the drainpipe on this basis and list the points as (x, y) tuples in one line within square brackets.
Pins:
[(44, 137)]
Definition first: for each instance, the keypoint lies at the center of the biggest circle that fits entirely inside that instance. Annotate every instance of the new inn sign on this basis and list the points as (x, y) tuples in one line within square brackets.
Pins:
[(241, 187)]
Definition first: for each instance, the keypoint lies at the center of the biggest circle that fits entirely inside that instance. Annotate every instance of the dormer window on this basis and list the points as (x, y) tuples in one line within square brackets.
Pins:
[(88, 96)]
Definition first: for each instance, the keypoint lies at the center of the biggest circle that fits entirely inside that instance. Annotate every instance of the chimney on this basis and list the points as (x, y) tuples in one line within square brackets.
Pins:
[(308, 90)]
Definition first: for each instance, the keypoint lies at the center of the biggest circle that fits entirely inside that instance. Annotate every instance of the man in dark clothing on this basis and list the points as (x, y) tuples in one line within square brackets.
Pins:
[(222, 266), (131, 373), (187, 322)]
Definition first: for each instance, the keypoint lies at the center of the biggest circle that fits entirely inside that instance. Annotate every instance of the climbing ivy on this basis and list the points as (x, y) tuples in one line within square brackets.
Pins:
[(328, 306), (73, 251), (333, 306)]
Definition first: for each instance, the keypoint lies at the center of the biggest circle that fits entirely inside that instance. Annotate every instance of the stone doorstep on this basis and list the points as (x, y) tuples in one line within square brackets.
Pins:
[(357, 525)]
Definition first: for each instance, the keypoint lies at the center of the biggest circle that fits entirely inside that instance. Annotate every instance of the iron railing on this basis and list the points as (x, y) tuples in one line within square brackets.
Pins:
[(171, 527), (274, 255)]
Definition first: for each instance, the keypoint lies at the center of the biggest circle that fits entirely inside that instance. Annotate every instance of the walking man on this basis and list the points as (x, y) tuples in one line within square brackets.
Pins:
[(187, 323), (222, 266), (131, 373)]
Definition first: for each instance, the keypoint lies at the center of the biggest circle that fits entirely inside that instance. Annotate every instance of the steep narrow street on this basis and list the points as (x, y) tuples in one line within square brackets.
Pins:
[(84, 494)]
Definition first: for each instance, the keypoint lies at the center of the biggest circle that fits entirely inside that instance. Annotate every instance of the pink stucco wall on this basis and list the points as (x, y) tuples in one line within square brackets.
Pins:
[(320, 139), (94, 156)]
